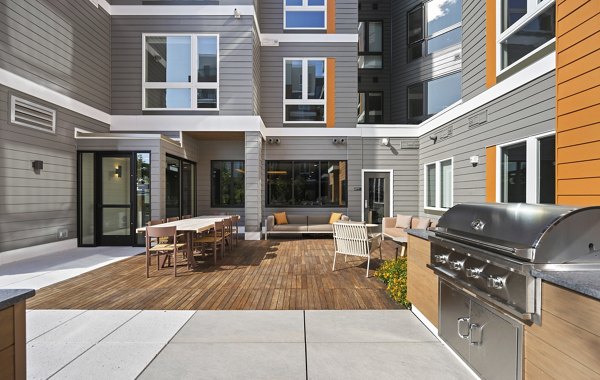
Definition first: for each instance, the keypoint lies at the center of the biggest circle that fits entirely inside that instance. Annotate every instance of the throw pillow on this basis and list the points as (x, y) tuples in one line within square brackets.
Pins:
[(403, 221), (280, 218), (422, 224), (335, 216)]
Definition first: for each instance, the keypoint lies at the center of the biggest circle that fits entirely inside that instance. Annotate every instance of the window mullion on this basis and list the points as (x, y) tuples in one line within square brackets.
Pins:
[(304, 79), (438, 184), (531, 181), (194, 71)]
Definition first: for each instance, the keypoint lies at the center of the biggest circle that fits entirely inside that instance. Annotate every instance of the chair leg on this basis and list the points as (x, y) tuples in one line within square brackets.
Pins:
[(174, 263), (334, 256), (368, 264), (215, 251), (147, 264), (380, 254)]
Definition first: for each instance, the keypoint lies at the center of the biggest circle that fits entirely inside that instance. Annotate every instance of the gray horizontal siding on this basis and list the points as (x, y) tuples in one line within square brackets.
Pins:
[(181, 2), (271, 17), (236, 57), (473, 49), (272, 79), (62, 45), (524, 112), (406, 74), (33, 207)]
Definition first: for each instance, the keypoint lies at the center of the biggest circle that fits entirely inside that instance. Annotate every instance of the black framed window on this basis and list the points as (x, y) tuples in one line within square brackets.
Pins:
[(180, 194), (433, 26), (370, 107), (370, 45), (306, 184), (227, 183), (427, 98)]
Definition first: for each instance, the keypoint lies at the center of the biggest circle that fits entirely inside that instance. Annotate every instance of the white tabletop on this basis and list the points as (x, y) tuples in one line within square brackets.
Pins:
[(197, 224)]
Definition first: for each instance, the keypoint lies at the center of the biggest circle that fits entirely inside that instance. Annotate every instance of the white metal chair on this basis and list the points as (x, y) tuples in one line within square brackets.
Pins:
[(352, 239)]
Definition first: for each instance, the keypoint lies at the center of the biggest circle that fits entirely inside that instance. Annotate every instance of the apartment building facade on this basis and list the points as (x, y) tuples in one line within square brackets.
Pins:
[(114, 113)]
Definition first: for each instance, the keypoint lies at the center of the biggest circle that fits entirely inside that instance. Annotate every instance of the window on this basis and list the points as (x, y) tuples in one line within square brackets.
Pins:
[(428, 98), (227, 183), (438, 185), (180, 183), (304, 14), (434, 26), (525, 26), (181, 72), (370, 107), (370, 45), (527, 170), (304, 90), (306, 184)]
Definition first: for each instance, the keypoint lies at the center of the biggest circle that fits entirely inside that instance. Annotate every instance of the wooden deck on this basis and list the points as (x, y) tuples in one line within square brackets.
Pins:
[(258, 275)]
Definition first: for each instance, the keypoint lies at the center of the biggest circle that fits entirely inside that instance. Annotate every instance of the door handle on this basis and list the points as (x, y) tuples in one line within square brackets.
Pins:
[(366, 203), (476, 332), (463, 324)]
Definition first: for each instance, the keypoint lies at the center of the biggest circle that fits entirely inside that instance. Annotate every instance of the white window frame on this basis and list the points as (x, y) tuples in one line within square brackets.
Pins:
[(194, 85), (305, 100), (304, 8), (532, 166), (438, 183), (534, 9)]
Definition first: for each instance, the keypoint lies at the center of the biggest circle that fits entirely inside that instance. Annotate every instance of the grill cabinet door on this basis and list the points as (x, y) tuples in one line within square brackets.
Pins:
[(454, 319), (494, 344)]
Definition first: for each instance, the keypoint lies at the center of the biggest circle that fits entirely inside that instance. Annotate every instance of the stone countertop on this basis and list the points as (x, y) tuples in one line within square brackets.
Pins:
[(423, 234), (9, 297), (584, 282)]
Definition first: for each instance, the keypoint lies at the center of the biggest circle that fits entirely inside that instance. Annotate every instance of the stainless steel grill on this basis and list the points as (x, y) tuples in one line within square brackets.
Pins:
[(484, 254)]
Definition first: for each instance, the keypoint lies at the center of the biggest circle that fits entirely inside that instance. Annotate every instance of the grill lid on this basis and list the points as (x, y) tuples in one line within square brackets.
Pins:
[(520, 229)]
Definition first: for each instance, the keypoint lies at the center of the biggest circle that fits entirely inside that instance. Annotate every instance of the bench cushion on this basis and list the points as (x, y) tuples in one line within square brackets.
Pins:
[(320, 228), (290, 228), (297, 219), (318, 219)]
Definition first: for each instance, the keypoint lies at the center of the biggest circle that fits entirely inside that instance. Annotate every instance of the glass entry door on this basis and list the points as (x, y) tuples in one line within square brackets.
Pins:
[(114, 201), (376, 196)]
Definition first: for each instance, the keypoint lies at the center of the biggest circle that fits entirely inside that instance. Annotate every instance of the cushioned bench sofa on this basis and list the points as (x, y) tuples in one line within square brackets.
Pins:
[(396, 227), (301, 224)]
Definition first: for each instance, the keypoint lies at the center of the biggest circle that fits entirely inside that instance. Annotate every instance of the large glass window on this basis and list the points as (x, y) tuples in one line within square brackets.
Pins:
[(306, 184), (527, 170), (304, 90), (434, 26), (227, 183), (169, 79), (370, 45), (180, 195), (370, 107), (304, 14), (428, 98), (142, 198), (526, 27), (438, 184)]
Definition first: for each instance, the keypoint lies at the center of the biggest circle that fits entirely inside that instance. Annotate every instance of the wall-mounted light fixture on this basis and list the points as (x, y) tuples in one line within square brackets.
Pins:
[(236, 13), (337, 140), (385, 141), (474, 160), (274, 141), (433, 138), (37, 165), (118, 171)]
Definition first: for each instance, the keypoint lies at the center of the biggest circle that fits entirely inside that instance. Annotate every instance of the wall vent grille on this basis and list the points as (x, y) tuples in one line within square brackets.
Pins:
[(32, 115)]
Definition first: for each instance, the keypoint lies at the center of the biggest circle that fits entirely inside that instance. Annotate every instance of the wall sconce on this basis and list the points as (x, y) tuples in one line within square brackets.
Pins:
[(433, 138), (272, 141), (118, 171), (236, 13), (385, 141), (474, 160), (37, 165)]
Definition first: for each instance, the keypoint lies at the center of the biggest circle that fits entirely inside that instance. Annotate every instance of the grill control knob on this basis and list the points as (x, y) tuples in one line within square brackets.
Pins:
[(456, 265), (473, 272), (495, 282), (441, 259)]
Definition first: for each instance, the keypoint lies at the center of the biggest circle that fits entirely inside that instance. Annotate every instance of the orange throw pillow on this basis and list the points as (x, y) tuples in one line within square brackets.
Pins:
[(335, 217), (280, 218)]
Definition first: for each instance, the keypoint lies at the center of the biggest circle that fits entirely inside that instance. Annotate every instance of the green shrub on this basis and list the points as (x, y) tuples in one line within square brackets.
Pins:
[(393, 274)]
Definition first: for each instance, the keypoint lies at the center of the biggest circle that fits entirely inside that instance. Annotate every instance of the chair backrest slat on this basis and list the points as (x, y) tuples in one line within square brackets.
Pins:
[(157, 232)]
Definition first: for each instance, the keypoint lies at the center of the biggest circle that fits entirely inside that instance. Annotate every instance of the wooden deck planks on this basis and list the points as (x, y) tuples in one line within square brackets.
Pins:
[(257, 275)]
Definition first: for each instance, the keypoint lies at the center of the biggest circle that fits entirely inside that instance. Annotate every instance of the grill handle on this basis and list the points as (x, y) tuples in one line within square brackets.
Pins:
[(463, 324), (475, 332)]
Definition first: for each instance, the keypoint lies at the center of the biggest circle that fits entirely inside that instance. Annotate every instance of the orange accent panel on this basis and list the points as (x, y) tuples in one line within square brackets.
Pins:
[(578, 136), (490, 43), (330, 92), (331, 16), (574, 169), (578, 103), (490, 174)]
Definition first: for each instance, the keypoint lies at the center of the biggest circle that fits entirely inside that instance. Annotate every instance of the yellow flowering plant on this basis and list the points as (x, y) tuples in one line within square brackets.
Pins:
[(393, 274)]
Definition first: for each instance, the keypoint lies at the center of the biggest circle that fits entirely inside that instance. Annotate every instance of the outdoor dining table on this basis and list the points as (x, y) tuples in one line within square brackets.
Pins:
[(190, 226)]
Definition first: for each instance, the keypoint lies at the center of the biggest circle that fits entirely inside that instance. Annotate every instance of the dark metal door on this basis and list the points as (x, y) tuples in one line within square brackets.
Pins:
[(376, 196)]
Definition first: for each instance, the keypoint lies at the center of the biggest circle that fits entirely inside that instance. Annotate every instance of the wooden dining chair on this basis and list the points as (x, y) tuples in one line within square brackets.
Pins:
[(172, 219), (228, 233), (236, 228), (154, 241), (186, 217), (213, 240), (168, 249)]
